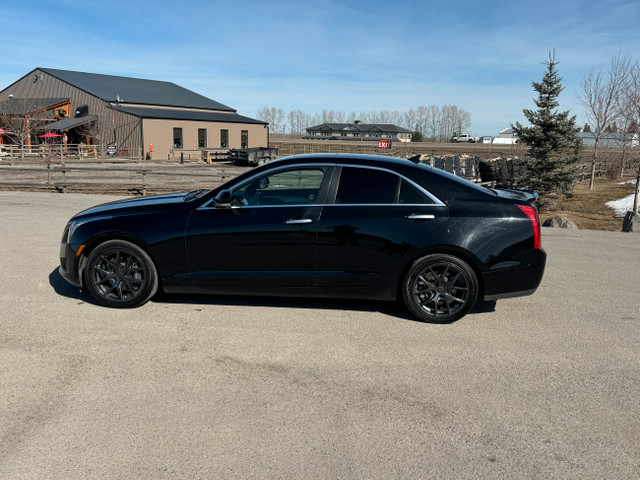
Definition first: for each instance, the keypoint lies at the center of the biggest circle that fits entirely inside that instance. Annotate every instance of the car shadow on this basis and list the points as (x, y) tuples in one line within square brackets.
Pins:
[(394, 309), (65, 289)]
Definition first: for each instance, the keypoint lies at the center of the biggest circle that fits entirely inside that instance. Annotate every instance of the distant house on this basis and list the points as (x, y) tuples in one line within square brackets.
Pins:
[(506, 137), (132, 113), (611, 140), (358, 131)]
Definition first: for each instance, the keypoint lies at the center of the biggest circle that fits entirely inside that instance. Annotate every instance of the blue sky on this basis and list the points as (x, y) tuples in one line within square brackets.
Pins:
[(340, 55)]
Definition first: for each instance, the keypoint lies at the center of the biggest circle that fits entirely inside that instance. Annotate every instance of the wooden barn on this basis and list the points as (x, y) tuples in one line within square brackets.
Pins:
[(139, 117)]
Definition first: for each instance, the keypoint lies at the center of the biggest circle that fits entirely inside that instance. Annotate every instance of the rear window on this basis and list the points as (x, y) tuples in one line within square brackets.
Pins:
[(370, 186), (461, 182), (363, 185)]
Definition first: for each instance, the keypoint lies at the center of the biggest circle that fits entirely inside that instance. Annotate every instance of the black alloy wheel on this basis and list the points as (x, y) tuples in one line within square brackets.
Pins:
[(120, 274), (440, 288)]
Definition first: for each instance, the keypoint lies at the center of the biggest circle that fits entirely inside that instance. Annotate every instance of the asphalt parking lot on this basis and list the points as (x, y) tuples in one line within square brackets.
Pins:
[(546, 386)]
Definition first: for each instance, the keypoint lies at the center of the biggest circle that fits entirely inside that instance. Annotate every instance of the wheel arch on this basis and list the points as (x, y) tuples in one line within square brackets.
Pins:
[(470, 259), (99, 239)]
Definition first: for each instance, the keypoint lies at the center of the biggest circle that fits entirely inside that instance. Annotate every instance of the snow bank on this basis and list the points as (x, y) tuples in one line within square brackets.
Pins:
[(621, 206), (632, 182)]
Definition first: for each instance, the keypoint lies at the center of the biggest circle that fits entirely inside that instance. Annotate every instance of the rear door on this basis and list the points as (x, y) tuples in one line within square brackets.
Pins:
[(373, 219)]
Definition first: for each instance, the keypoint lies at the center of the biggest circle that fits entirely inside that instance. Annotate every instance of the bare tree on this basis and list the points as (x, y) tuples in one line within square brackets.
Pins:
[(433, 122), (297, 121), (409, 120), (633, 106), (432, 119), (602, 98), (274, 117), (628, 118), (20, 118)]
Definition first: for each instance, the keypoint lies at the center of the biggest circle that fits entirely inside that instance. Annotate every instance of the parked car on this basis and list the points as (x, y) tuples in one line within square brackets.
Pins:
[(464, 138), (330, 225)]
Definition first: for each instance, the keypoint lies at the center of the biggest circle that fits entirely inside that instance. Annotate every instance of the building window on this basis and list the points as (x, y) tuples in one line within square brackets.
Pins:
[(244, 138), (224, 138), (177, 138), (202, 138)]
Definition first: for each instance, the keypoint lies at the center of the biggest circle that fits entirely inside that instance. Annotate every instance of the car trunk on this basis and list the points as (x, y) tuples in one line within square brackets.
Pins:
[(526, 195)]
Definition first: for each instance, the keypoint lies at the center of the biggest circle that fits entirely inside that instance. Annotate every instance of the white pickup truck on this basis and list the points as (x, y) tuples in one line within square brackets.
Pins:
[(464, 138)]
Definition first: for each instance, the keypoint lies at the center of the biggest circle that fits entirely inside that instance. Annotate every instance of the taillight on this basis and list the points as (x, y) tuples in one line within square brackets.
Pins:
[(532, 213)]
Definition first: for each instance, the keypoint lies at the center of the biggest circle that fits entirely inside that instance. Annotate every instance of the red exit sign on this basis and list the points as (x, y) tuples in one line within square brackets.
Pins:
[(384, 144)]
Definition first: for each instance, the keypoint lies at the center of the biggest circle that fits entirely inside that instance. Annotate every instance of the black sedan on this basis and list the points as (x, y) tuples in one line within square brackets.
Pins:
[(327, 225)]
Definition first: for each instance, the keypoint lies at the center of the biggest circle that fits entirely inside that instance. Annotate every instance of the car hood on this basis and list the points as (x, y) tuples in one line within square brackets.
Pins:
[(132, 204)]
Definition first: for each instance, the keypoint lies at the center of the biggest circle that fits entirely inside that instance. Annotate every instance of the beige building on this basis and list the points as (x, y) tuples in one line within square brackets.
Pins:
[(138, 116)]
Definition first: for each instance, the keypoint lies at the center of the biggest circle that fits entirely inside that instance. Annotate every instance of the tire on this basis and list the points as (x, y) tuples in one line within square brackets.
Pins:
[(119, 274), (440, 288)]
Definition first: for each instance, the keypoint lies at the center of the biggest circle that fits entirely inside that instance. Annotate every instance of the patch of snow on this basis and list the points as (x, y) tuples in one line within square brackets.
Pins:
[(632, 182), (622, 205)]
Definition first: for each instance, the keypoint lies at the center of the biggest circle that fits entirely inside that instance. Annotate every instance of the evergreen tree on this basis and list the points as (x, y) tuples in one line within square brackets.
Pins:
[(416, 136), (587, 128), (554, 145)]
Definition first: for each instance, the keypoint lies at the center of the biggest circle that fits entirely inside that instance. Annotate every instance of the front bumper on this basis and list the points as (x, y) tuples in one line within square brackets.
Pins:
[(69, 264)]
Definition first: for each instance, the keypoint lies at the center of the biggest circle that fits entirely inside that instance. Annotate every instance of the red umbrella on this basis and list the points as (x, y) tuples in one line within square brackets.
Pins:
[(49, 135)]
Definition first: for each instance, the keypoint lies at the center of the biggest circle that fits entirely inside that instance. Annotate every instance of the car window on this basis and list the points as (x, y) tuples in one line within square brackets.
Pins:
[(365, 185), (299, 186)]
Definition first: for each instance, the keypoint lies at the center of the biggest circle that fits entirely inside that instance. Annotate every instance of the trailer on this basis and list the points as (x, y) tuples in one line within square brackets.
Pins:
[(253, 156)]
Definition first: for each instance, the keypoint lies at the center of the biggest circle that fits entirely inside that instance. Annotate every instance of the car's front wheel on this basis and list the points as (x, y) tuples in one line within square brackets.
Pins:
[(440, 288), (120, 274)]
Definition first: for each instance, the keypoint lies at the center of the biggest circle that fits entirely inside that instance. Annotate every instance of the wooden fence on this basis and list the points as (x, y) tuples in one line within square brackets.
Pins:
[(138, 180), (59, 152)]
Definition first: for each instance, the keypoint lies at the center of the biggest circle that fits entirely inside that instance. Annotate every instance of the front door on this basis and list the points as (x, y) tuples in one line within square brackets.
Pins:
[(267, 239)]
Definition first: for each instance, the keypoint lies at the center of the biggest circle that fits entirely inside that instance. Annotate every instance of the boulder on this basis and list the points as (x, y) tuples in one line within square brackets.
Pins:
[(559, 222), (631, 222)]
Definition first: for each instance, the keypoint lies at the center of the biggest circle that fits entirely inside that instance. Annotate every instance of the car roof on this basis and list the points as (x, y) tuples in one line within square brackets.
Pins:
[(447, 185), (352, 158)]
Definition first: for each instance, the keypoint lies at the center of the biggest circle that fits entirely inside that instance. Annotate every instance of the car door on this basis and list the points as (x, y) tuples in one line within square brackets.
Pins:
[(267, 238), (373, 219)]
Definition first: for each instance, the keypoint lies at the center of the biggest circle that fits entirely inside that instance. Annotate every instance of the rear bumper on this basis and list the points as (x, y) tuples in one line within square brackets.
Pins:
[(516, 281)]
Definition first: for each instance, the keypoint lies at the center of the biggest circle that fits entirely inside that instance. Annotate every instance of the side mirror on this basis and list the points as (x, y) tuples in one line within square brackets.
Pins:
[(223, 199)]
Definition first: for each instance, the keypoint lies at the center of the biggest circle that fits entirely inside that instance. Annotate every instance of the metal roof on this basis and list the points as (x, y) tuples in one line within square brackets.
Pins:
[(68, 123), (111, 88), (21, 106), (170, 114), (360, 127)]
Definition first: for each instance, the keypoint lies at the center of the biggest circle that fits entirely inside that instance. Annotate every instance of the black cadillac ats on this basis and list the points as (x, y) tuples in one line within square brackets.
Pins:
[(324, 225)]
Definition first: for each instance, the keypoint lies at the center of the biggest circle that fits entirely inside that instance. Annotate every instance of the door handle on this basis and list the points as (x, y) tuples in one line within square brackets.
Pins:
[(298, 221), (416, 216)]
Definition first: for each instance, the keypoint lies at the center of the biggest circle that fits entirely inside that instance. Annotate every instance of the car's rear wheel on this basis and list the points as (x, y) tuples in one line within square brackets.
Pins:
[(120, 274), (440, 288)]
